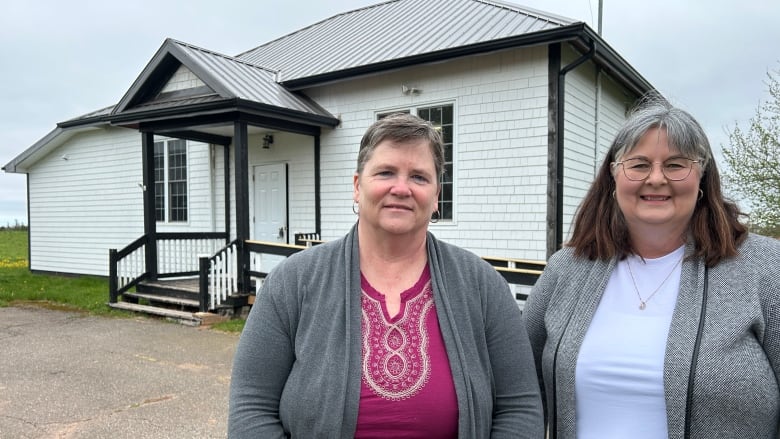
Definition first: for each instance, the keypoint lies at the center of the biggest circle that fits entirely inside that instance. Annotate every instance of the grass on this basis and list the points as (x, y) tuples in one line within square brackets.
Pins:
[(18, 286), (87, 294)]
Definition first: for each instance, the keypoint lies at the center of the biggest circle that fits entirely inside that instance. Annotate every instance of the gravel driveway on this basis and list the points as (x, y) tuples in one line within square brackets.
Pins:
[(65, 375)]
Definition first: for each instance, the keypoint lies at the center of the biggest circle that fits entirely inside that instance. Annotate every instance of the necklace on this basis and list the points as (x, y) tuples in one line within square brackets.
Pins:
[(643, 302)]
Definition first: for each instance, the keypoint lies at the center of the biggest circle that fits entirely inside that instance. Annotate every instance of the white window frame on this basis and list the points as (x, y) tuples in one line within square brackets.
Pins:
[(166, 183)]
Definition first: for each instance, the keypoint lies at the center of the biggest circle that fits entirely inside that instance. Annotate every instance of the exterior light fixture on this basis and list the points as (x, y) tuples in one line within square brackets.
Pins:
[(268, 140), (410, 90)]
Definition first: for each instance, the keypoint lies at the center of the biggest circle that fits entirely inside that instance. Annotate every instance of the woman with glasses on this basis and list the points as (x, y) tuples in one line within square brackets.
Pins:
[(661, 315)]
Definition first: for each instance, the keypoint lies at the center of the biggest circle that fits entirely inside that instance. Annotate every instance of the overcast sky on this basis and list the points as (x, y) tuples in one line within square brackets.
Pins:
[(61, 59)]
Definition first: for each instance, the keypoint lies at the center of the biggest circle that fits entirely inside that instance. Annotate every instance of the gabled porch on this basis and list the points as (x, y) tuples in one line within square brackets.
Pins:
[(196, 95)]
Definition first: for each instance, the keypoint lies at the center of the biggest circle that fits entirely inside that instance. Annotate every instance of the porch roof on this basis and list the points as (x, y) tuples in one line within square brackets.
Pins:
[(229, 84)]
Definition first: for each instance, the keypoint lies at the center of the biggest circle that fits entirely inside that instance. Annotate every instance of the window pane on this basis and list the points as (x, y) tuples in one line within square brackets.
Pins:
[(177, 180), (159, 201), (445, 209), (178, 201), (159, 181), (434, 116), (446, 114), (446, 135), (447, 177)]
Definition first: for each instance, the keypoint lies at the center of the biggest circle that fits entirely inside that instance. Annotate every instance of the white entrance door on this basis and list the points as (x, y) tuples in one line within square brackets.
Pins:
[(270, 211), (270, 203)]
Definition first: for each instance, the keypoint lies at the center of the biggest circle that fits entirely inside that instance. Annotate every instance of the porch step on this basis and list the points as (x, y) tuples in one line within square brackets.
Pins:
[(186, 288), (183, 317), (165, 299)]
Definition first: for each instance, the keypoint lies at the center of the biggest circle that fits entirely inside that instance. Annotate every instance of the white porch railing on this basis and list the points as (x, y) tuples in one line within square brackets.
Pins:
[(223, 275), (176, 255), (223, 267)]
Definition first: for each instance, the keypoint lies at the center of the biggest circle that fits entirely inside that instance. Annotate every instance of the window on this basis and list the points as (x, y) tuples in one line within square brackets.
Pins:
[(442, 118), (170, 180)]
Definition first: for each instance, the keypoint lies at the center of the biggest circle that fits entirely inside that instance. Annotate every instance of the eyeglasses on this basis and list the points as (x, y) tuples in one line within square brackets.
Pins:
[(675, 168)]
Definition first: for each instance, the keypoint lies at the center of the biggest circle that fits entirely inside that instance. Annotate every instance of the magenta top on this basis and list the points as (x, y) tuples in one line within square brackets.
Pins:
[(407, 389)]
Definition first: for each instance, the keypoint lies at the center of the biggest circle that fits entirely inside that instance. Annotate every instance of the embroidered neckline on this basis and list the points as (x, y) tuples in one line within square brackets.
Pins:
[(396, 362)]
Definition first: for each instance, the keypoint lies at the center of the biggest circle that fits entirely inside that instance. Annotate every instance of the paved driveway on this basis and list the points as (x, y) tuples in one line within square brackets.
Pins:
[(64, 375)]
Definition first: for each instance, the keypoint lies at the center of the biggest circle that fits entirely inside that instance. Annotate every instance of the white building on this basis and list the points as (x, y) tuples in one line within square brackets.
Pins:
[(263, 145)]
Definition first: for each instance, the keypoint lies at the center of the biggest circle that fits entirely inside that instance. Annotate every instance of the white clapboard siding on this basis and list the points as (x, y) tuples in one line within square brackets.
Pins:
[(501, 145), (86, 198)]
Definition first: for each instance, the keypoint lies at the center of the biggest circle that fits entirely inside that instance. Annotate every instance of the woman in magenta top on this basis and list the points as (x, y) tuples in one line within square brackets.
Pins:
[(387, 332)]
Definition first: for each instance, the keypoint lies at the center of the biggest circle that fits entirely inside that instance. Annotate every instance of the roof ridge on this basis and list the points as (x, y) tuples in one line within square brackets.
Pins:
[(536, 13), (222, 55)]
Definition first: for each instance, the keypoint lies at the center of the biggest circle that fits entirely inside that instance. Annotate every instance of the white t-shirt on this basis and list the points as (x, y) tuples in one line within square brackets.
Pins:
[(619, 378)]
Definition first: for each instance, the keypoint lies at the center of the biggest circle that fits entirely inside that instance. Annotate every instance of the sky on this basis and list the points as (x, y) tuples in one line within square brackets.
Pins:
[(64, 59)]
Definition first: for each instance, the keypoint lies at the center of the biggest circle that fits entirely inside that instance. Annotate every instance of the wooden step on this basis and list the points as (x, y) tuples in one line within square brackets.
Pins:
[(165, 299), (183, 317), (183, 288)]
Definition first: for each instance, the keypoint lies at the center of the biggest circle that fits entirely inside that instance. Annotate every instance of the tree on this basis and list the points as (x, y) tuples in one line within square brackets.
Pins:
[(753, 160)]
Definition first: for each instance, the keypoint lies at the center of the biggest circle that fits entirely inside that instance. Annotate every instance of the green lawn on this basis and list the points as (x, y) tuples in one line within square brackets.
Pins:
[(19, 286), (89, 294)]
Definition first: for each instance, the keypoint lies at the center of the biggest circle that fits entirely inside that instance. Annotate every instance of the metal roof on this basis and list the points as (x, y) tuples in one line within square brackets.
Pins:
[(395, 30), (243, 80), (226, 78), (388, 35)]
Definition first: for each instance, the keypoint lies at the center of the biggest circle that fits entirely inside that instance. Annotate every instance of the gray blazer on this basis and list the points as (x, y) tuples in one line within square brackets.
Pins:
[(735, 394), (297, 368)]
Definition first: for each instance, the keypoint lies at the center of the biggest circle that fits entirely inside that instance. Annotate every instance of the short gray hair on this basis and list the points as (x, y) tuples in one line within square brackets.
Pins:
[(401, 127)]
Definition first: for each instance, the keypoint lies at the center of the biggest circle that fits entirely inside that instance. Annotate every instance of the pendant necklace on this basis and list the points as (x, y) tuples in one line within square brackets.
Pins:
[(643, 302)]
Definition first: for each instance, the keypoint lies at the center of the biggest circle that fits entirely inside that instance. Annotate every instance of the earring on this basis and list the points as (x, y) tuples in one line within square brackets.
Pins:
[(614, 194), (701, 194), (355, 207), (435, 217)]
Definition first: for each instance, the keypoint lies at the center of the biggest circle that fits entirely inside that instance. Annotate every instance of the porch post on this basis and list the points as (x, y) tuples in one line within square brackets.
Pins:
[(317, 199), (150, 219), (227, 193), (554, 171), (241, 161)]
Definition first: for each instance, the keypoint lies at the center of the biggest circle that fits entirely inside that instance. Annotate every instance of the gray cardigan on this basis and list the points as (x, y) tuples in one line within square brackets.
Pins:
[(736, 382), (297, 367)]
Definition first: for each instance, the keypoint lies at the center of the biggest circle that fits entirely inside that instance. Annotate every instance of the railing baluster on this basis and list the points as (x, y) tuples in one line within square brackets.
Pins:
[(214, 279), (219, 272)]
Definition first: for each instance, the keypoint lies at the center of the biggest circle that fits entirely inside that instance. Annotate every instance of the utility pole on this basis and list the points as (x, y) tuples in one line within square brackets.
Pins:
[(601, 12)]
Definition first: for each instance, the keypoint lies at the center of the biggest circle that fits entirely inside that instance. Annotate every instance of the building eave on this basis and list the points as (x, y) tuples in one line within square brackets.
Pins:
[(52, 140), (578, 34), (137, 117)]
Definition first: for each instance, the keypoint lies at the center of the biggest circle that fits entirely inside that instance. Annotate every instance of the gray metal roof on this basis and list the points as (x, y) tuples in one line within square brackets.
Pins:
[(395, 30), (242, 80), (225, 76)]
